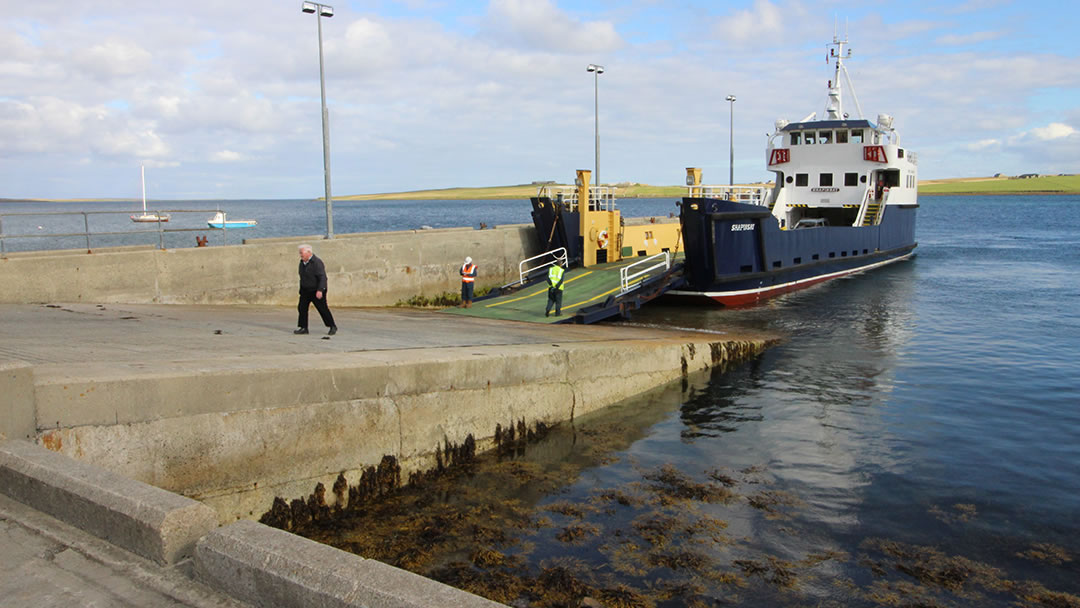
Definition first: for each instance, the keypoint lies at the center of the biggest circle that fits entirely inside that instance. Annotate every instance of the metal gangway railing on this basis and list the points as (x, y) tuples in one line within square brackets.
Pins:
[(632, 276), (751, 195), (601, 198), (558, 256), (160, 228)]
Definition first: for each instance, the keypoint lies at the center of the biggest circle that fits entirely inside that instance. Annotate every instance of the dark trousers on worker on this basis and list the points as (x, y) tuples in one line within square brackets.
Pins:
[(307, 298), (466, 292), (554, 299)]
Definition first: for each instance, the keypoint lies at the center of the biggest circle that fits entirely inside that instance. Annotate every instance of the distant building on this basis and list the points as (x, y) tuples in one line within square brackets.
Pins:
[(1028, 175)]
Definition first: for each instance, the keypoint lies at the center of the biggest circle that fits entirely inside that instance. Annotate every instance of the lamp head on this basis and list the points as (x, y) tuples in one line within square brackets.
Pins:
[(599, 69), (730, 98), (314, 7)]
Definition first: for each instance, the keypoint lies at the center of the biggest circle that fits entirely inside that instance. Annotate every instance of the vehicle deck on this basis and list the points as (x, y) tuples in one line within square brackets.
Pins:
[(590, 295)]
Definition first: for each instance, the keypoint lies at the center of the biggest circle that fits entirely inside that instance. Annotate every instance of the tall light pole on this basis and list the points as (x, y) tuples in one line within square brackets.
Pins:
[(596, 71), (731, 140), (320, 11)]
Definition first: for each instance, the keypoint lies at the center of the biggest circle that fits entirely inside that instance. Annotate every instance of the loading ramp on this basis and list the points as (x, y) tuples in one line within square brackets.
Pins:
[(591, 294)]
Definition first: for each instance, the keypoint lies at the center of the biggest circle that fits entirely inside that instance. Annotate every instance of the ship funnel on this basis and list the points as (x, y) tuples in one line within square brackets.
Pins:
[(884, 121)]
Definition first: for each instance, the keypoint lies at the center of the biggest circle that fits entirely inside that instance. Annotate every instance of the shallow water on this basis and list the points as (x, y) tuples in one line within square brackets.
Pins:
[(912, 442)]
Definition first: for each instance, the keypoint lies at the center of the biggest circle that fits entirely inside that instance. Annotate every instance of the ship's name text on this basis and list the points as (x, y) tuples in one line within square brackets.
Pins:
[(738, 227)]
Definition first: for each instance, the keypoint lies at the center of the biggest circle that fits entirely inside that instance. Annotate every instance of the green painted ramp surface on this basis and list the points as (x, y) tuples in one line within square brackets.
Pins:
[(583, 287)]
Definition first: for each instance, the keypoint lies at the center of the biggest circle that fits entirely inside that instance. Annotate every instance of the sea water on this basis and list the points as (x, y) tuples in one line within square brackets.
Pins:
[(914, 440)]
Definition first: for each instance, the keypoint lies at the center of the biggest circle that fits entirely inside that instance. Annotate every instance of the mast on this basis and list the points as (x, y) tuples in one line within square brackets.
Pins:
[(834, 108), (142, 174)]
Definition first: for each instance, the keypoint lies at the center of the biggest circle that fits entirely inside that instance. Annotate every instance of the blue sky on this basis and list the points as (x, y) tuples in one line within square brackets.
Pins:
[(221, 100)]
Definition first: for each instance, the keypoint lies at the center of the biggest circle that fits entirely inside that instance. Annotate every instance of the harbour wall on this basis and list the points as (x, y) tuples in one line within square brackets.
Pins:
[(235, 433), (368, 269)]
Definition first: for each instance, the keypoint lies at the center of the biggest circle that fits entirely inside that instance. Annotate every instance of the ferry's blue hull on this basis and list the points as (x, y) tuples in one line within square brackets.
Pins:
[(737, 254)]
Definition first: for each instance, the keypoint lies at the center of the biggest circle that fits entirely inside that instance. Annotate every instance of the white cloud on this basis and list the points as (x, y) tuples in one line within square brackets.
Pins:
[(227, 156), (762, 22), (542, 25), (983, 145), (965, 39), (1054, 130)]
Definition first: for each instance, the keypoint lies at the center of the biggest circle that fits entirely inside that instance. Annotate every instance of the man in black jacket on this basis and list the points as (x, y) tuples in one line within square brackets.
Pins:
[(313, 291)]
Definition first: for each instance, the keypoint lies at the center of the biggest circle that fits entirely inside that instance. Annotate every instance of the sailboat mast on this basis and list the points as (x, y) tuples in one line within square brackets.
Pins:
[(142, 174)]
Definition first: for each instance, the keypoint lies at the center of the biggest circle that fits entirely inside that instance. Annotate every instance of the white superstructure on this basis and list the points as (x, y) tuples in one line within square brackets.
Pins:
[(839, 169)]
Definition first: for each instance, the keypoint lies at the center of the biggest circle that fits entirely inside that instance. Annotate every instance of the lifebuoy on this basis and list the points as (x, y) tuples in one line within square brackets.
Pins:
[(602, 239)]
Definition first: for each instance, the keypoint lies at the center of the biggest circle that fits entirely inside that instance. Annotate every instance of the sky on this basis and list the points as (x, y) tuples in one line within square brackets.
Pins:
[(221, 100)]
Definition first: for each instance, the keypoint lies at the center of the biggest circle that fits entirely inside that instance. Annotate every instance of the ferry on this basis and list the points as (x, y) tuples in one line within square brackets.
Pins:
[(843, 201)]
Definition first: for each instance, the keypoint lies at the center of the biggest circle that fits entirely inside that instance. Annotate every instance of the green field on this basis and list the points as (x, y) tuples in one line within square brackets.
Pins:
[(512, 192), (1057, 184)]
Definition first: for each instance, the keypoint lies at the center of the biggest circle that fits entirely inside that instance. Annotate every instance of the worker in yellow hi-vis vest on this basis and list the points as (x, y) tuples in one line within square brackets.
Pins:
[(555, 289)]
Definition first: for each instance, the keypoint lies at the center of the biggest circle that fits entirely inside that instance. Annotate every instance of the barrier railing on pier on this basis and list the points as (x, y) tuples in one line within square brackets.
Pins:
[(122, 237)]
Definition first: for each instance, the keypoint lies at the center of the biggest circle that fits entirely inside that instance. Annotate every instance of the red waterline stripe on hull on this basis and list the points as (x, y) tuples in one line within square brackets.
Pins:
[(750, 296)]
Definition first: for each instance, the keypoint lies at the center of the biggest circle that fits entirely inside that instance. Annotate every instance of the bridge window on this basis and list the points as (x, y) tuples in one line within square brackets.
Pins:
[(809, 139), (825, 179), (795, 138), (851, 179), (841, 136), (824, 137), (802, 179), (856, 136), (899, 153)]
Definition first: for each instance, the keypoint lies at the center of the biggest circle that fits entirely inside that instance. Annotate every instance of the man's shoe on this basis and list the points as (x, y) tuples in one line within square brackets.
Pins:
[(547, 313), (333, 330), (302, 330)]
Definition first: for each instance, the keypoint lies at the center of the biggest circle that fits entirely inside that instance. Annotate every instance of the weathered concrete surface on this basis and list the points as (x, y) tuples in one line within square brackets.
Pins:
[(370, 269), (271, 568), (226, 405), (148, 521), (17, 416), (46, 563)]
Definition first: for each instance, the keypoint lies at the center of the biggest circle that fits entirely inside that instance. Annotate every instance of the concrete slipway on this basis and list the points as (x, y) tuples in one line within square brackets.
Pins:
[(166, 424)]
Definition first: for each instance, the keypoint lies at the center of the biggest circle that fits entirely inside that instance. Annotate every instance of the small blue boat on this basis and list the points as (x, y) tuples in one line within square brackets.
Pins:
[(219, 220)]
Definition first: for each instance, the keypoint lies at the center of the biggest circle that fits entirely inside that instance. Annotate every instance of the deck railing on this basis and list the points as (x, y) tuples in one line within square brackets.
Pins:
[(751, 195), (630, 280), (555, 255), (601, 198), (160, 228)]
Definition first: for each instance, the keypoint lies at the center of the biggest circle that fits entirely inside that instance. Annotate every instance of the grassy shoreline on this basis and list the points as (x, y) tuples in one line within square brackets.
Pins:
[(1045, 185)]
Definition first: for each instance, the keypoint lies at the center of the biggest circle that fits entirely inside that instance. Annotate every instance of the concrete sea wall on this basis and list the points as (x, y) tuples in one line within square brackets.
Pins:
[(370, 269), (237, 433)]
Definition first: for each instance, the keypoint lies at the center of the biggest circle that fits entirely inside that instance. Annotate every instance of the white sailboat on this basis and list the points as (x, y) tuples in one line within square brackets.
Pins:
[(148, 216)]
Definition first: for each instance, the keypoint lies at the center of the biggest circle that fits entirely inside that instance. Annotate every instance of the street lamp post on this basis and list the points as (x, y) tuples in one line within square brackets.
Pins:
[(320, 11), (731, 140), (596, 71)]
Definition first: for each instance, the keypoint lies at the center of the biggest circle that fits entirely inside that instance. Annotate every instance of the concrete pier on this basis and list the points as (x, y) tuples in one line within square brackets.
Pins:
[(224, 405)]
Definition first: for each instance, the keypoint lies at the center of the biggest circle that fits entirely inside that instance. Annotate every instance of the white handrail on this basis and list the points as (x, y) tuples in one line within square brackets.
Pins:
[(555, 257), (601, 198), (625, 277), (753, 195)]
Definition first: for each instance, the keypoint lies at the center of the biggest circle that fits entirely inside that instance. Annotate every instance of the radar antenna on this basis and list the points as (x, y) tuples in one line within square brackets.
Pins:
[(834, 108)]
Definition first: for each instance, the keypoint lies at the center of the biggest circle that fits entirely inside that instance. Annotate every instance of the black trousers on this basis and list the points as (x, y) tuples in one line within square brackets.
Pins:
[(307, 298), (554, 299)]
